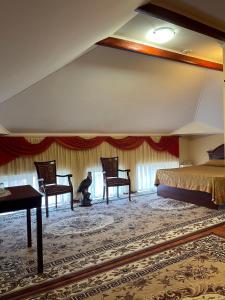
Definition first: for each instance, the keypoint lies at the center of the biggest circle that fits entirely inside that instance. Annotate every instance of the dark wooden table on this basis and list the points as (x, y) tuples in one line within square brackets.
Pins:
[(25, 197)]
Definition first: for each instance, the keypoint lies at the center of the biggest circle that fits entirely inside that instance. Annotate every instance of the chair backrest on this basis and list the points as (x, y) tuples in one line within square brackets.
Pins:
[(110, 166), (46, 170)]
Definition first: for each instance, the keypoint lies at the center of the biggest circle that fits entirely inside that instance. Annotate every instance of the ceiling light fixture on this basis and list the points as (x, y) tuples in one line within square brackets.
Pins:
[(160, 35)]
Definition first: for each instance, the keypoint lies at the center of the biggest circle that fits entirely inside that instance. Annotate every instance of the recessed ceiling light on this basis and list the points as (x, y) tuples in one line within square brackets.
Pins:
[(160, 35)]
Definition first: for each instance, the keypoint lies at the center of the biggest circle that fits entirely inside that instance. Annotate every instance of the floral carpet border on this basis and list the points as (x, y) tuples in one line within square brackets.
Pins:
[(73, 264), (144, 241), (92, 286)]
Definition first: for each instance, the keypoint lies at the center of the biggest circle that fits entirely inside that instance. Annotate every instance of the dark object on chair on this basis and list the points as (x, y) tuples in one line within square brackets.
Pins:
[(83, 188), (111, 178), (47, 181)]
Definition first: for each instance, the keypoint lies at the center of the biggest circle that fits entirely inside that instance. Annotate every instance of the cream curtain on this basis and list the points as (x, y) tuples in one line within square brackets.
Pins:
[(142, 161)]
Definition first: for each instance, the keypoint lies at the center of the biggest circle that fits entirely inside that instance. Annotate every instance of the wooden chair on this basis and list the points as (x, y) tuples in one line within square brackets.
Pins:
[(111, 178), (47, 181)]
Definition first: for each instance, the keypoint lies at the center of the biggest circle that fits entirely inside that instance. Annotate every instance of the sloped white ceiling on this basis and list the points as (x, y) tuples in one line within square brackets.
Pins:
[(106, 90), (197, 128), (40, 36), (112, 91), (210, 104), (209, 114), (199, 45)]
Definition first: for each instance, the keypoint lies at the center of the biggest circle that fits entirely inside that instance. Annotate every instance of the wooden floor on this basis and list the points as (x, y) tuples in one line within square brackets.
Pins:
[(70, 278)]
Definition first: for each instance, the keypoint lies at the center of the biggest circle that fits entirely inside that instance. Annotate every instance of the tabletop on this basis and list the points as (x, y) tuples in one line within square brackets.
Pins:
[(21, 197)]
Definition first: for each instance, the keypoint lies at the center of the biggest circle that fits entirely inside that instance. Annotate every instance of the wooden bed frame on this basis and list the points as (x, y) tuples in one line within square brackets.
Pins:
[(195, 197)]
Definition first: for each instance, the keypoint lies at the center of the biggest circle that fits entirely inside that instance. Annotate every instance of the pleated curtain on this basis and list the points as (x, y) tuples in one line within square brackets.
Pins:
[(143, 162)]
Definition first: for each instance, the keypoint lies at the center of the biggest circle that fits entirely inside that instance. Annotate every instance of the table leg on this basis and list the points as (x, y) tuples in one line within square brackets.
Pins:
[(39, 240), (29, 240)]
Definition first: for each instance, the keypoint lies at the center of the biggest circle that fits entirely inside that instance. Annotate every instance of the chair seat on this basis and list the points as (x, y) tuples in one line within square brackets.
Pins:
[(56, 189), (117, 181)]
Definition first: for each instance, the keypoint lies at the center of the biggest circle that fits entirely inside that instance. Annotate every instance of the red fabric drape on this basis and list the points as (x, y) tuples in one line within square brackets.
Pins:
[(13, 147)]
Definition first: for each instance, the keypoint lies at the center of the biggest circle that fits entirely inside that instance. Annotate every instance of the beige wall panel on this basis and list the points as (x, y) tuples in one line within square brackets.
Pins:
[(184, 143), (198, 147)]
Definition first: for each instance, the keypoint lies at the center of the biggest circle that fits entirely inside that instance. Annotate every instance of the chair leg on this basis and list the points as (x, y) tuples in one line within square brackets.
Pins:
[(103, 192), (56, 201), (129, 192), (117, 192), (46, 205), (71, 199), (107, 195)]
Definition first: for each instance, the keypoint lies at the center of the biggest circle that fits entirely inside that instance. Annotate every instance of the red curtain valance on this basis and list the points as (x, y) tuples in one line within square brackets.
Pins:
[(13, 147)]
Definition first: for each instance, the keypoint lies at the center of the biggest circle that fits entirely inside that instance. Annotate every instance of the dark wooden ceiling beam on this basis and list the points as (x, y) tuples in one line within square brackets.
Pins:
[(151, 51), (180, 20)]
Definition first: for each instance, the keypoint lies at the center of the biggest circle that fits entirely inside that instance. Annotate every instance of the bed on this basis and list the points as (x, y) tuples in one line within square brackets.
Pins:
[(203, 185)]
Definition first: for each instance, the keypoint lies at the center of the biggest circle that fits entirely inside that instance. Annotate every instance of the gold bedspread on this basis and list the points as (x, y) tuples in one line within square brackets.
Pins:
[(205, 178)]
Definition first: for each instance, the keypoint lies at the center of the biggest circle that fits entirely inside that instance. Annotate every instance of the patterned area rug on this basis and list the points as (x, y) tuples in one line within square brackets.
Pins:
[(195, 270), (76, 240)]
